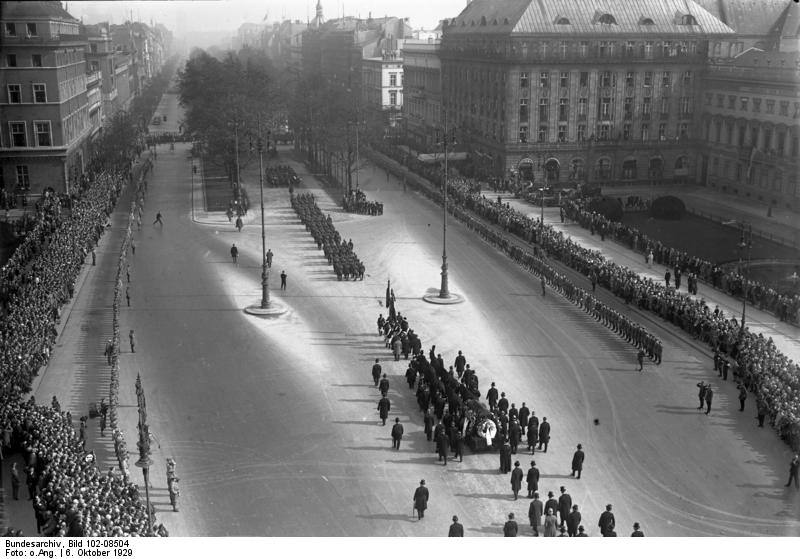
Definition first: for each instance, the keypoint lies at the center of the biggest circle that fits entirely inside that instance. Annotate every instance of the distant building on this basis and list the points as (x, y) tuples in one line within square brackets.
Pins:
[(382, 87), (46, 97), (562, 92), (751, 127), (422, 93)]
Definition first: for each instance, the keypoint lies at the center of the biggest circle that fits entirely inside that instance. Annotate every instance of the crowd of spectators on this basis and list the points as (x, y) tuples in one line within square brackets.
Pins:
[(356, 202), (71, 497), (784, 305), (769, 374)]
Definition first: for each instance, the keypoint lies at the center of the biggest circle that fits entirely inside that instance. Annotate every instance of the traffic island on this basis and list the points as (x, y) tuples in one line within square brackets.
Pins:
[(433, 296), (273, 309)]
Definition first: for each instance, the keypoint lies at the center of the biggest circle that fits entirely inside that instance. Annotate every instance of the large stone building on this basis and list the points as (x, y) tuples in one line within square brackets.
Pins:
[(45, 109), (750, 125), (422, 92), (61, 81), (559, 92)]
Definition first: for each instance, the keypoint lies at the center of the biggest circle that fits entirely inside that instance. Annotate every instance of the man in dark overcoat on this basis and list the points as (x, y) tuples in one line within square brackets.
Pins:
[(577, 461), (492, 396), (544, 434), (505, 457), (383, 385), (443, 444), (516, 479), (564, 505), (701, 394), (510, 528), (607, 523), (383, 408), (421, 497), (428, 422), (376, 371), (456, 529), (514, 435), (524, 414), (573, 521), (535, 512), (397, 433), (532, 479)]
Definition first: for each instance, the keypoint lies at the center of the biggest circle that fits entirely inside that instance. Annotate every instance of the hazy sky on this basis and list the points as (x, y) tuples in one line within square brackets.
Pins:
[(219, 15)]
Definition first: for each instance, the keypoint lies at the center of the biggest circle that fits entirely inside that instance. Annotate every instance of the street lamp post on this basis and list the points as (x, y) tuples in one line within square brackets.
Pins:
[(264, 268), (746, 242)]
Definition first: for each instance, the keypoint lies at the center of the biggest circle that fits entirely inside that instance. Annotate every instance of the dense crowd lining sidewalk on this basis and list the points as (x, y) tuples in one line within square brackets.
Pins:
[(77, 373), (785, 336)]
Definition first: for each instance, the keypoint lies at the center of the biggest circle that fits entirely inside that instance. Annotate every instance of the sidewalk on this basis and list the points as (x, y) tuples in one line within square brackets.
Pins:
[(78, 374), (785, 336)]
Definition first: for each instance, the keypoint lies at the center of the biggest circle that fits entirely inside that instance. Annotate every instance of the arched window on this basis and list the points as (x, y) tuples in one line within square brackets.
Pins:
[(682, 162), (562, 21), (688, 19), (607, 19), (629, 169), (603, 169), (646, 21)]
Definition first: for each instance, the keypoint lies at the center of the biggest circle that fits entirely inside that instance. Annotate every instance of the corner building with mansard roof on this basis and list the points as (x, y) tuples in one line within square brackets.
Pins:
[(562, 92)]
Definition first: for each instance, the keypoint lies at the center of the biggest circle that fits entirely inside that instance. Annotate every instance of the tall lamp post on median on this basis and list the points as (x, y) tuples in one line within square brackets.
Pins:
[(444, 296), (267, 307), (745, 243)]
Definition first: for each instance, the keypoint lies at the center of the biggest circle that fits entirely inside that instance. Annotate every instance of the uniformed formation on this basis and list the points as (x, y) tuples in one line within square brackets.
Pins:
[(339, 253), (786, 306), (356, 202), (281, 175), (449, 399)]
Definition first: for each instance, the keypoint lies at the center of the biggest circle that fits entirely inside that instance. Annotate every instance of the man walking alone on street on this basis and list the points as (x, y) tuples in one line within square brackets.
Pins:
[(793, 466), (283, 280), (235, 254), (421, 496), (397, 433)]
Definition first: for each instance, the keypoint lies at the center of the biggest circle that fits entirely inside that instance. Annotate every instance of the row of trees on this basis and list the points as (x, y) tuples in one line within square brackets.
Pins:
[(240, 96)]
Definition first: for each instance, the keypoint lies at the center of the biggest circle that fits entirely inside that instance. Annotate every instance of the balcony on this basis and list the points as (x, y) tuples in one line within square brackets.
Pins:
[(110, 96), (44, 39), (93, 79)]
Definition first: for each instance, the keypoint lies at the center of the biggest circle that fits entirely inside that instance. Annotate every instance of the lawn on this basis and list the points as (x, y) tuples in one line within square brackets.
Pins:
[(707, 239)]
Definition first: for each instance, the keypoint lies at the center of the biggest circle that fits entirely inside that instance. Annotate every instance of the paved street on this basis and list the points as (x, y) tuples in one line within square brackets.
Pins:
[(273, 422)]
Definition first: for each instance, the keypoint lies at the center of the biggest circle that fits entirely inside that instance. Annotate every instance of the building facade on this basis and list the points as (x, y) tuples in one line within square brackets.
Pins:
[(382, 87), (46, 97), (422, 93), (552, 92), (750, 125)]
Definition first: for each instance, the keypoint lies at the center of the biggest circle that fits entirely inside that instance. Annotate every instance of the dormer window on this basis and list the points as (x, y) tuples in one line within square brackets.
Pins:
[(506, 22), (646, 21), (31, 29), (688, 19), (562, 21), (483, 20), (11, 30), (607, 19)]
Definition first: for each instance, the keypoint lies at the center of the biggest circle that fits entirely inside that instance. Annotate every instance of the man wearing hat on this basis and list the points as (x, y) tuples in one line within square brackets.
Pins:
[(383, 408), (551, 502), (492, 397), (582, 532), (573, 521), (510, 528), (532, 479), (577, 461), (516, 479), (607, 523), (397, 433), (421, 499), (793, 467), (564, 505), (456, 529), (535, 512), (637, 533), (709, 396)]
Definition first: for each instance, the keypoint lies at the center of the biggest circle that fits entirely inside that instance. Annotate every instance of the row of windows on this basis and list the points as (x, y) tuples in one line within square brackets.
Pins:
[(762, 139), (12, 61), (755, 174), (30, 30), (605, 79), (582, 49), (18, 134), (744, 104), (605, 108), (39, 91), (603, 132)]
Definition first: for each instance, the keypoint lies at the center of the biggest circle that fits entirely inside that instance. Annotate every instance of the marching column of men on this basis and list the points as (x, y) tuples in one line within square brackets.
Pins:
[(339, 253)]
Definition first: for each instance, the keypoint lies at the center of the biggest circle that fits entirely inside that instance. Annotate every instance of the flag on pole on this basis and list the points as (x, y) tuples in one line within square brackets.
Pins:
[(388, 293)]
